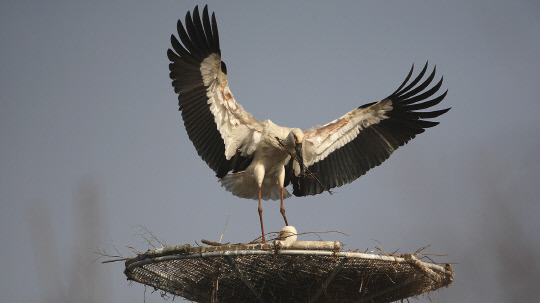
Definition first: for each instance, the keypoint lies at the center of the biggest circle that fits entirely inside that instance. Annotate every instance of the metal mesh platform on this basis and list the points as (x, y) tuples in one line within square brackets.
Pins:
[(285, 271)]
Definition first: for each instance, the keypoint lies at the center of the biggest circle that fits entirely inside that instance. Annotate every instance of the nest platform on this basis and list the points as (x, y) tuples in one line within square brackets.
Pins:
[(285, 271)]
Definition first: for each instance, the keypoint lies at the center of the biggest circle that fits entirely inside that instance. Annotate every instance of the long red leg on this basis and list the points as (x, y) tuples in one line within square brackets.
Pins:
[(282, 209), (260, 216)]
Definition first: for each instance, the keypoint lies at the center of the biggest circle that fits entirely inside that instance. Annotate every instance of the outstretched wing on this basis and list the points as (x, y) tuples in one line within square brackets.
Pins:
[(343, 150), (224, 134)]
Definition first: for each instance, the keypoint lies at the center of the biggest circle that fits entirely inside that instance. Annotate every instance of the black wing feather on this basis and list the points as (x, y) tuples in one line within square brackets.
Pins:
[(199, 39), (375, 144)]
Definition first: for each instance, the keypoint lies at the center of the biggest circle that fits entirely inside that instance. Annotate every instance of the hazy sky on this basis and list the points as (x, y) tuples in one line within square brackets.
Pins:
[(92, 144)]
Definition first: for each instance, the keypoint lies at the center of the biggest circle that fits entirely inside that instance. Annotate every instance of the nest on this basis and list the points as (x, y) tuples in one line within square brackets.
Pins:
[(285, 271)]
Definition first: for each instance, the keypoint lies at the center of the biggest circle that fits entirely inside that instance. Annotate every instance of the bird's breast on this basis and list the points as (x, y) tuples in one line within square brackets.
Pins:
[(273, 158)]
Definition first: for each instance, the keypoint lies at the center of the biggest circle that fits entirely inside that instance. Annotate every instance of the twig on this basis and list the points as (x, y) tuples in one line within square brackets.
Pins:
[(104, 253), (305, 171), (257, 240), (212, 243), (220, 238), (114, 260), (135, 250), (152, 237), (421, 249), (324, 232), (304, 233)]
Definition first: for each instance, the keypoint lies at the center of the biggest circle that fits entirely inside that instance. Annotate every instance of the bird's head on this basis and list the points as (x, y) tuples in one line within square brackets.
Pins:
[(296, 139), (296, 136)]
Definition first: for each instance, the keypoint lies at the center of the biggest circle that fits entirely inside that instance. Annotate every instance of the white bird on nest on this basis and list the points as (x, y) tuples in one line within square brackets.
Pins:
[(257, 160)]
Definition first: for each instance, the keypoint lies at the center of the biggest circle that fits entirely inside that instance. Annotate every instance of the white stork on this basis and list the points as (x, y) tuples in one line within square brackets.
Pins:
[(257, 160)]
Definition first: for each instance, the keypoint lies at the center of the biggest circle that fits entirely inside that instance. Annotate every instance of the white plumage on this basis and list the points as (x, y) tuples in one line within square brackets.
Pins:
[(257, 160)]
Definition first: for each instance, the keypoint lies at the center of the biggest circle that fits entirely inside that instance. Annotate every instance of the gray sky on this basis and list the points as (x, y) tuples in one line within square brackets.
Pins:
[(92, 144)]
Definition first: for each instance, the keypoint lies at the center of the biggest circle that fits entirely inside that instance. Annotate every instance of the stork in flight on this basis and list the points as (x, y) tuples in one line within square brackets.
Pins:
[(257, 160)]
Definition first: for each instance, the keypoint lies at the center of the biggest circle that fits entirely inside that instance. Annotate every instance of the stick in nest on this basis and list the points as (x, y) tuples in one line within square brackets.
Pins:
[(144, 232), (212, 243), (257, 240), (224, 227)]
